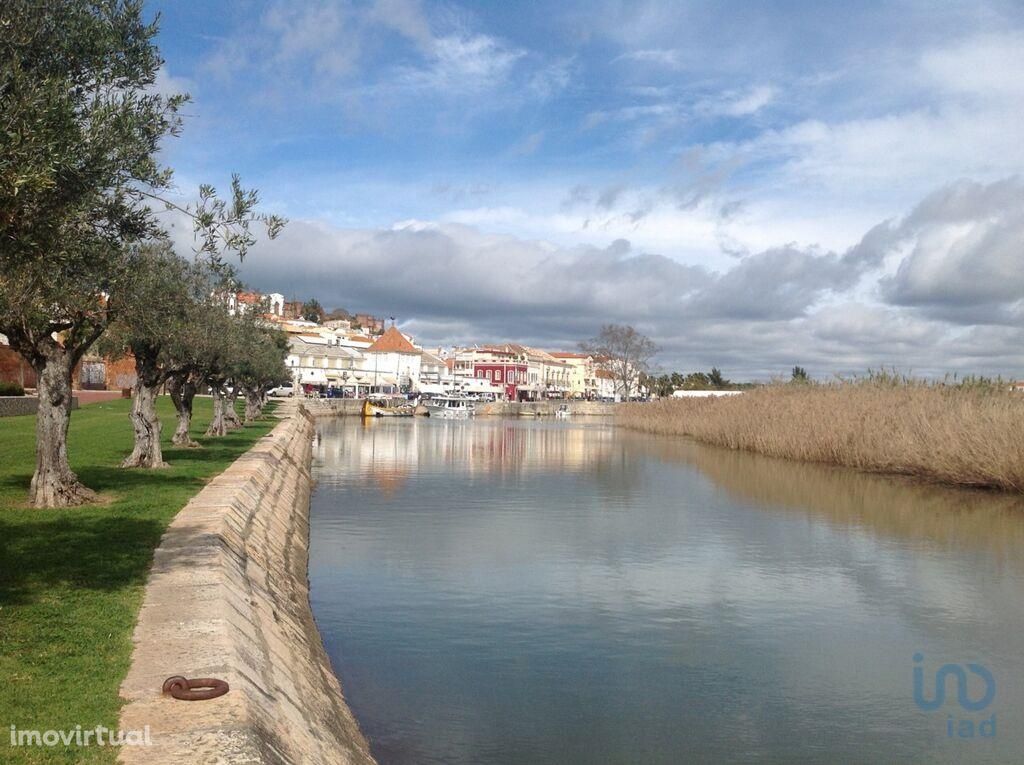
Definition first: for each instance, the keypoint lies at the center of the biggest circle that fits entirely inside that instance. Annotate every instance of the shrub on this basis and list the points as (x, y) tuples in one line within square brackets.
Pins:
[(11, 389)]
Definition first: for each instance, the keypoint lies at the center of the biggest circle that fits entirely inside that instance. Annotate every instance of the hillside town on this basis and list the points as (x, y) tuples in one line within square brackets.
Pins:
[(363, 355)]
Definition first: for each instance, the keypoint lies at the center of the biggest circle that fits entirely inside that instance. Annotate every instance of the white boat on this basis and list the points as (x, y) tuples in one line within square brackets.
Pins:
[(563, 412), (449, 407)]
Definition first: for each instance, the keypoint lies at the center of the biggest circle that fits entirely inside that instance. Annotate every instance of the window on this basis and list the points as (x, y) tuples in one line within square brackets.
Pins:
[(497, 375)]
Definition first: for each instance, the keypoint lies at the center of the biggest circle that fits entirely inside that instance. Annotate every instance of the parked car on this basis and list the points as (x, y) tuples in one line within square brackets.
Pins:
[(286, 390)]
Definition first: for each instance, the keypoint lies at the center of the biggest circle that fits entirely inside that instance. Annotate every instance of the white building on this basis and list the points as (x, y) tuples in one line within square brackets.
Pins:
[(392, 362), (436, 377), (319, 362)]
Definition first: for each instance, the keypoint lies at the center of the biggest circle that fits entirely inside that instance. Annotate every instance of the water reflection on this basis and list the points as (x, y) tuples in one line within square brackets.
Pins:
[(508, 592), (491, 446), (886, 505)]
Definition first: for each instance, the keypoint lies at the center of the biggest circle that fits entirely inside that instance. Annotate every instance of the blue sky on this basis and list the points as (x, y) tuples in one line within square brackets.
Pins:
[(755, 185)]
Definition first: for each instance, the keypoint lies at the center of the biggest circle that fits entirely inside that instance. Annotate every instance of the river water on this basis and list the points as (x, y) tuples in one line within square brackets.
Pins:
[(513, 591)]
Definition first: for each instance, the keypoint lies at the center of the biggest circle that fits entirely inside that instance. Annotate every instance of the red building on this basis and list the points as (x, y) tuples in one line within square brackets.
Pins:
[(505, 368)]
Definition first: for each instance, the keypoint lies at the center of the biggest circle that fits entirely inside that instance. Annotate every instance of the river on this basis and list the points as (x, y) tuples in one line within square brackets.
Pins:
[(516, 591)]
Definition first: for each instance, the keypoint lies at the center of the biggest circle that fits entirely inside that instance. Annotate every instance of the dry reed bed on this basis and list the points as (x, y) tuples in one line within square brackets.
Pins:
[(964, 435)]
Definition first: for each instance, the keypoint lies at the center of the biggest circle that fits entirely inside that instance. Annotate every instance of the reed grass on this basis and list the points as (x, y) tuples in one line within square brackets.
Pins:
[(968, 433)]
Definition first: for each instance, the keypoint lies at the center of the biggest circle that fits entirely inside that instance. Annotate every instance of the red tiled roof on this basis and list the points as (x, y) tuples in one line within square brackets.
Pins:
[(392, 341)]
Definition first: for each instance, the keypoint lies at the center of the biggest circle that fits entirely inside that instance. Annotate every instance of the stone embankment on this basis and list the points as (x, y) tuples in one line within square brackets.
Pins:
[(348, 406), (545, 409), (228, 597)]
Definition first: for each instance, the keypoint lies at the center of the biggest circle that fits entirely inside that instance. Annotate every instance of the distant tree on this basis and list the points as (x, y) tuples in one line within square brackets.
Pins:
[(800, 375), (262, 364), (696, 381), (660, 386), (312, 310), (623, 352), (339, 313), (196, 357), (716, 380), (220, 344)]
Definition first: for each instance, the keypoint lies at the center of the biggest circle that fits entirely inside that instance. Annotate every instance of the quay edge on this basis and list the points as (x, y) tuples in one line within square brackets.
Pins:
[(228, 597)]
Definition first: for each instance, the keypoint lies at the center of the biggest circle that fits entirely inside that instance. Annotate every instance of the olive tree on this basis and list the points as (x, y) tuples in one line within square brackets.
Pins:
[(80, 131), (221, 342), (194, 354), (262, 365), (157, 319)]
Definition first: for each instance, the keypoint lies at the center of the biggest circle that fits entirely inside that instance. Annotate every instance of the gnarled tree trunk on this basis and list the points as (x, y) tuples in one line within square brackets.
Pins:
[(231, 418), (218, 425), (146, 452), (253, 405), (183, 390), (53, 483)]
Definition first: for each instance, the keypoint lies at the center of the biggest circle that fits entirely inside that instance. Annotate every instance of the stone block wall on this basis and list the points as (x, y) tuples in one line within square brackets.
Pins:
[(228, 597)]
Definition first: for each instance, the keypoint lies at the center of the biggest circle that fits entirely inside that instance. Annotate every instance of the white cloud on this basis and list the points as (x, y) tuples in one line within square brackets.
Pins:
[(659, 56), (985, 67), (459, 63), (758, 315), (744, 104)]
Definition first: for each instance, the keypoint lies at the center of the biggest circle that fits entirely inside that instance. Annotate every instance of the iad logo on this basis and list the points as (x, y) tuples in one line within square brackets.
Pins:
[(965, 727)]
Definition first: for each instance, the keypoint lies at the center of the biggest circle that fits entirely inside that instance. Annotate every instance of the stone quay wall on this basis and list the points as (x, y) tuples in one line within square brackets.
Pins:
[(228, 598), (338, 407)]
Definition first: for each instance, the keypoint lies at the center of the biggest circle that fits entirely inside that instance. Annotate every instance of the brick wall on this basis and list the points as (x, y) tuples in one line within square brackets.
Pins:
[(14, 369), (121, 373)]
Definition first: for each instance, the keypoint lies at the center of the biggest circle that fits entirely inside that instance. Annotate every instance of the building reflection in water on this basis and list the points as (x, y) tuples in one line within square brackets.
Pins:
[(388, 449)]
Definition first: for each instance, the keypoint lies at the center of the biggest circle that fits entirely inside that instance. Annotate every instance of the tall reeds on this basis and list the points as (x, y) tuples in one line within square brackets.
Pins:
[(967, 433)]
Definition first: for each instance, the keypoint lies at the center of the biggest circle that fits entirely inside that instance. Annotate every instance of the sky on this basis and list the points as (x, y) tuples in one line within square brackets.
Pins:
[(753, 185)]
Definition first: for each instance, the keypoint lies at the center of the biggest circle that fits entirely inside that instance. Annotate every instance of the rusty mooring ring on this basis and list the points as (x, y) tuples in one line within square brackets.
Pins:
[(198, 689)]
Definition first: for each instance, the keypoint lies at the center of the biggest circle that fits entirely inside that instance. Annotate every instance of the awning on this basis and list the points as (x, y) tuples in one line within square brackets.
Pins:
[(432, 389)]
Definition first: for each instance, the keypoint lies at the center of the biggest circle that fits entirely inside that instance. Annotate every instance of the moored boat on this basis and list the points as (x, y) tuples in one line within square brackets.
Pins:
[(449, 407), (563, 412), (388, 406)]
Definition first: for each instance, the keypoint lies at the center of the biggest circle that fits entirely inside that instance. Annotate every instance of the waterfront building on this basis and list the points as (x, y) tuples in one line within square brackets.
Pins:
[(436, 376), (581, 374), (607, 385), (392, 362), (318, 362), (503, 367)]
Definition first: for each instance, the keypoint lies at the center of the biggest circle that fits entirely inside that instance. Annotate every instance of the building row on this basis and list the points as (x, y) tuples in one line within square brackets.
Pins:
[(361, 355), (332, 358)]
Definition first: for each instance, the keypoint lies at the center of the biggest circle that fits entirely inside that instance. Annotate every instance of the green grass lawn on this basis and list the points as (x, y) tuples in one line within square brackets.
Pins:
[(71, 581)]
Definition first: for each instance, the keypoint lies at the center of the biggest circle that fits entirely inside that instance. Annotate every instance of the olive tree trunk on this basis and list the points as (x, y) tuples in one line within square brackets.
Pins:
[(146, 452), (53, 483), (253, 405), (218, 425), (231, 418), (183, 390)]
